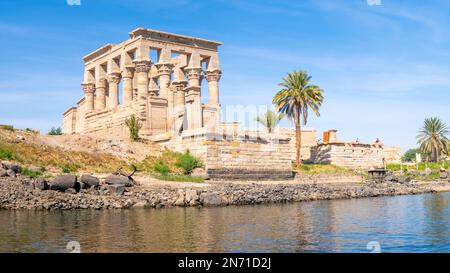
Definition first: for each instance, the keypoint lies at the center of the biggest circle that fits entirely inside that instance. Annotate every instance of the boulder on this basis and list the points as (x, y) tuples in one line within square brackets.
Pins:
[(63, 182), (391, 179), (89, 180), (443, 175), (119, 179), (192, 197), (212, 199), (14, 167), (118, 189), (3, 173), (404, 179), (198, 172), (428, 171), (71, 191), (11, 173), (41, 184)]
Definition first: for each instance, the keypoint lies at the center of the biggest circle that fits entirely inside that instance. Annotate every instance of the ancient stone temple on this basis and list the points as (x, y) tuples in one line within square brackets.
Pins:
[(157, 76)]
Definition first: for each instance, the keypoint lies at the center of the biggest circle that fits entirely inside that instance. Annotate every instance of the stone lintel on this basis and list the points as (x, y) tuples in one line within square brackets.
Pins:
[(104, 49), (157, 35)]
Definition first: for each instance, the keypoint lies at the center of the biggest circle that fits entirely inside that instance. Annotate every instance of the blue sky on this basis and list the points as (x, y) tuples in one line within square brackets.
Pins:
[(384, 68)]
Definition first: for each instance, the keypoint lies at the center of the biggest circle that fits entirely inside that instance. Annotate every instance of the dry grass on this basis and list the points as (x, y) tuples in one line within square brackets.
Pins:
[(62, 160), (309, 168)]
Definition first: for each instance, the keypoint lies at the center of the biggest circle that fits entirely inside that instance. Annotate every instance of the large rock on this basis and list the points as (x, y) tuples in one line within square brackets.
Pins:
[(391, 179), (404, 179), (71, 191), (63, 182), (3, 173), (118, 189), (89, 180), (119, 179), (41, 184), (11, 173), (200, 172), (14, 167), (192, 197), (443, 175), (212, 199)]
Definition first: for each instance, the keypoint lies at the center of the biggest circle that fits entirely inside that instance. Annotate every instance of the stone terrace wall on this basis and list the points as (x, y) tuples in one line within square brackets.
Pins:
[(392, 155), (350, 155), (239, 157), (107, 123)]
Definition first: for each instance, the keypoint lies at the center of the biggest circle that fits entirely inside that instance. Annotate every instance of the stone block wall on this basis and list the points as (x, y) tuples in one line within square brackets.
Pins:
[(239, 157), (350, 155), (392, 155), (108, 123)]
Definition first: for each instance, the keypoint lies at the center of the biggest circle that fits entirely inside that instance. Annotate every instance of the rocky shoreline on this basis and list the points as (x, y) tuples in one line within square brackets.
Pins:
[(21, 192)]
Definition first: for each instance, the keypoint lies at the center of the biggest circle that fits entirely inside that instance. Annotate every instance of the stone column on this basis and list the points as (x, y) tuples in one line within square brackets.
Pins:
[(113, 87), (179, 87), (164, 71), (89, 89), (213, 78), (100, 97), (193, 101), (127, 76), (142, 68)]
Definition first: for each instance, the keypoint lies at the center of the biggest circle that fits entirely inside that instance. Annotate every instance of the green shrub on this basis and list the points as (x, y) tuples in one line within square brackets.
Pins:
[(188, 162), (32, 173), (69, 168), (7, 127), (161, 167), (6, 153), (133, 126), (55, 131), (180, 178)]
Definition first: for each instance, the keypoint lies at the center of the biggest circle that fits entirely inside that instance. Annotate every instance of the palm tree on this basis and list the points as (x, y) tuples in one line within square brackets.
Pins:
[(270, 120), (295, 99), (432, 138)]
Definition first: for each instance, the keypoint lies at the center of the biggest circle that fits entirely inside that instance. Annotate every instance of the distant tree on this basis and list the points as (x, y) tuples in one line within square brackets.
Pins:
[(55, 131), (295, 99), (270, 120), (433, 139), (410, 155), (133, 126)]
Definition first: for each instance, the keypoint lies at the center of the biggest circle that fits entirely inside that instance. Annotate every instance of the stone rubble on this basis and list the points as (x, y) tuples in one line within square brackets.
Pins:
[(26, 193)]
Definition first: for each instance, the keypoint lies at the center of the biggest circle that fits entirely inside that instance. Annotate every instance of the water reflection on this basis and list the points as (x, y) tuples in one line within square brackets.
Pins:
[(401, 224)]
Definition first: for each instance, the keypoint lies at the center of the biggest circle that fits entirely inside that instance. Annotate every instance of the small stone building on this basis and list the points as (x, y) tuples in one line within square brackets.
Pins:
[(354, 155)]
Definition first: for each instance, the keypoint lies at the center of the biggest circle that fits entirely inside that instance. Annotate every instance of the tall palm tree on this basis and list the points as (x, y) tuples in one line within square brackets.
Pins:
[(295, 99), (270, 120), (433, 138)]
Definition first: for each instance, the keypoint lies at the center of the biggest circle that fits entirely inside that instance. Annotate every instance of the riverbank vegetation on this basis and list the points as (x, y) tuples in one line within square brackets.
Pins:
[(312, 168), (171, 166), (43, 160)]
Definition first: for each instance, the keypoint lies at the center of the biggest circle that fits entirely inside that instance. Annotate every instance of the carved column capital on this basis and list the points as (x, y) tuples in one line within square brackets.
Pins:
[(114, 77), (193, 72), (164, 68), (88, 88), (142, 66), (214, 75), (179, 86), (127, 71)]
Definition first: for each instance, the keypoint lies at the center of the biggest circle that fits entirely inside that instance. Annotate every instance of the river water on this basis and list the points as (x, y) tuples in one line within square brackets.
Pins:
[(419, 223)]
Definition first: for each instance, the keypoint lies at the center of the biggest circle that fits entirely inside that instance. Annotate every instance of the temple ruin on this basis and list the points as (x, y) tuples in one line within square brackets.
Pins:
[(156, 76)]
